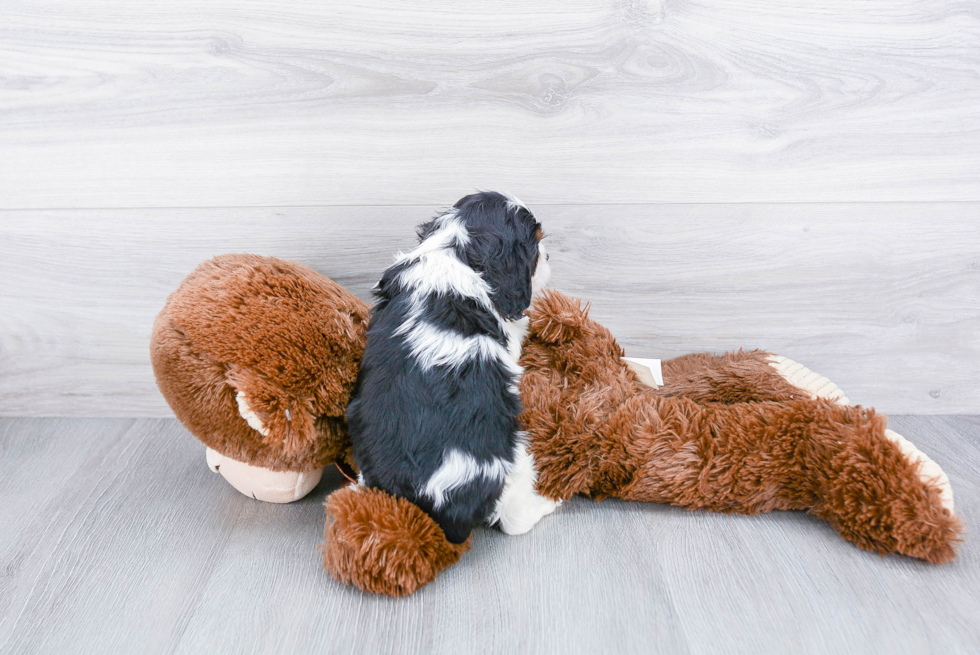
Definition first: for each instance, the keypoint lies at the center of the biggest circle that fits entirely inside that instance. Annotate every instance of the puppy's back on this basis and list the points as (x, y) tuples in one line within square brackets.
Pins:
[(434, 412), (441, 441)]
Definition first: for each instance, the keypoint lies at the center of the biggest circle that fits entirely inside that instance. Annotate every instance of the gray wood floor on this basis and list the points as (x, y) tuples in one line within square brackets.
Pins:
[(114, 537)]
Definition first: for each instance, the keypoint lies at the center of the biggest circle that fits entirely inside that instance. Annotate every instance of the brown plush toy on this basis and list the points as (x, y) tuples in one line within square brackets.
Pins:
[(257, 357), (742, 432)]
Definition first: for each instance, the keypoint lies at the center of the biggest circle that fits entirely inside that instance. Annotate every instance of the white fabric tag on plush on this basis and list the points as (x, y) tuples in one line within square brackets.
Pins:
[(648, 370)]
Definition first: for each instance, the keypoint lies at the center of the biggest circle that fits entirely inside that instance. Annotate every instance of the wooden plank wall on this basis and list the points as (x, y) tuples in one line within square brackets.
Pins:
[(714, 174)]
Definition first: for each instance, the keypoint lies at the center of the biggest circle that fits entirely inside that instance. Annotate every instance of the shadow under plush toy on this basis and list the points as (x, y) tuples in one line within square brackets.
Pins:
[(258, 358)]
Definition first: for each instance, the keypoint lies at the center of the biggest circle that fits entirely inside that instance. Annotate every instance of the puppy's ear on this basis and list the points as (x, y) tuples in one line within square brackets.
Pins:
[(425, 229), (507, 266), (501, 245)]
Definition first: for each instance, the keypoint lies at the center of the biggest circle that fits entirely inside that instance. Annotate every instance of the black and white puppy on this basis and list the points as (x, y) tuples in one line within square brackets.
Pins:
[(434, 414)]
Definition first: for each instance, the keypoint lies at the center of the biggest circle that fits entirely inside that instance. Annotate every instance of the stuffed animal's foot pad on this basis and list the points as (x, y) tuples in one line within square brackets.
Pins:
[(261, 483), (929, 471), (803, 378), (383, 544)]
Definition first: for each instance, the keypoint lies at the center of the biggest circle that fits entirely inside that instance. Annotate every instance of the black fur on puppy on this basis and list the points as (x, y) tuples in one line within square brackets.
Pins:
[(434, 414)]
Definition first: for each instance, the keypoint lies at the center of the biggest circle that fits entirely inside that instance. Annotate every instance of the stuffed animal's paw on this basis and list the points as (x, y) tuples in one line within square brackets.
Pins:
[(885, 495), (817, 386), (929, 471), (814, 384), (556, 318)]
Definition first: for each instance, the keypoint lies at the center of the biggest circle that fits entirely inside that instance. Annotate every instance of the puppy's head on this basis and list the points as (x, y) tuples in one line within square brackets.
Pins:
[(500, 239)]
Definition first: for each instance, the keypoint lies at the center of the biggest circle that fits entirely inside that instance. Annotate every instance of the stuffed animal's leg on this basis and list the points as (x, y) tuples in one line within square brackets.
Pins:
[(836, 461), (757, 376), (741, 376), (595, 429)]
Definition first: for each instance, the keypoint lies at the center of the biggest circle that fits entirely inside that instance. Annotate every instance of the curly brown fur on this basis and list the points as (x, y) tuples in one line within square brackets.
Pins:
[(749, 444), (286, 337), (727, 434), (735, 377), (384, 544)]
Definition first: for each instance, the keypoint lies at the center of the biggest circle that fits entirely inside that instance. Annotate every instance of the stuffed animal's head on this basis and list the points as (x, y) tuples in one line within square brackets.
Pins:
[(258, 357)]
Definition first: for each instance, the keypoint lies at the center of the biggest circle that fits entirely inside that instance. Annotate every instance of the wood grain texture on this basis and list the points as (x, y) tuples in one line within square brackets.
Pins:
[(884, 299), (134, 546), (175, 104), (105, 547)]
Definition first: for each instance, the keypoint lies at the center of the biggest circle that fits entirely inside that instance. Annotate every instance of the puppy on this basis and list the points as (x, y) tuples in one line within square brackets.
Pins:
[(434, 413)]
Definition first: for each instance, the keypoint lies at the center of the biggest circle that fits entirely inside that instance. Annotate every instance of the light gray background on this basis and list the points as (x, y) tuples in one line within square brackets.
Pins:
[(801, 177)]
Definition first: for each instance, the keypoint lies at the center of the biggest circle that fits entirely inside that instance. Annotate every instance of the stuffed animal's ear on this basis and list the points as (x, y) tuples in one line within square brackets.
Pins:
[(282, 420), (556, 318)]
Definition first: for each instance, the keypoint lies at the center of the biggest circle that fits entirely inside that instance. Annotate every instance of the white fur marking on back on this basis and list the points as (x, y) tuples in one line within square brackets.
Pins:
[(436, 268), (435, 271), (458, 469), (439, 272), (520, 507), (433, 346), (251, 417)]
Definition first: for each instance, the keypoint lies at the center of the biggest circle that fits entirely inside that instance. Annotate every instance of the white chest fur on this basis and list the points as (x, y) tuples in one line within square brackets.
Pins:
[(519, 507), (516, 332)]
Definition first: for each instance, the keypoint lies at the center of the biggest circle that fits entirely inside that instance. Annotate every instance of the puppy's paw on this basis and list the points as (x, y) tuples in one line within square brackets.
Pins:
[(520, 516), (520, 507)]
